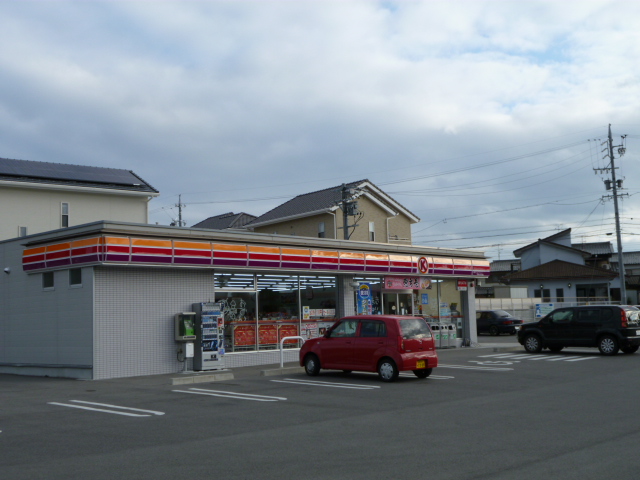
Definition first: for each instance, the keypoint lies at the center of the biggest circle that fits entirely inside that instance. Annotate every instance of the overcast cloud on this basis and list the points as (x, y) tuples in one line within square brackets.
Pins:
[(484, 118)]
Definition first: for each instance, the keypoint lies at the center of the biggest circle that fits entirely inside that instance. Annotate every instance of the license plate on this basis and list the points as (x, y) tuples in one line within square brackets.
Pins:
[(637, 332), (420, 364)]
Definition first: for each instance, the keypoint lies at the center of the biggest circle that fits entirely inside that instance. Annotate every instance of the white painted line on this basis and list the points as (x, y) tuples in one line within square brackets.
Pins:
[(119, 407), (546, 357), (430, 377), (579, 359), (98, 409), (506, 355), (224, 394), (559, 359), (314, 383), (469, 367)]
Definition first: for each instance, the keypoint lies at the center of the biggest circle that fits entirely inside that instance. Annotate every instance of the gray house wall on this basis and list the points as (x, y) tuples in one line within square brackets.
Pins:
[(548, 253), (44, 332)]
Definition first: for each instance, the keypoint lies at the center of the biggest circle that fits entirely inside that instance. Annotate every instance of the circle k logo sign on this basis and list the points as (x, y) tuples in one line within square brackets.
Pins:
[(423, 265)]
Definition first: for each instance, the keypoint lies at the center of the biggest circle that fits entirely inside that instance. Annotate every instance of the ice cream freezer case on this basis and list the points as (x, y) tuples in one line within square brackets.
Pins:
[(209, 344)]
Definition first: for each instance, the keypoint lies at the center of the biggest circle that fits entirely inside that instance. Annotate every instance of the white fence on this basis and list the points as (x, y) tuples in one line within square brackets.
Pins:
[(524, 308)]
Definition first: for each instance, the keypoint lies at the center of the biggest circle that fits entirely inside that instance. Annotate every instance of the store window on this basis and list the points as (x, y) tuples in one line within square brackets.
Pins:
[(441, 303), (75, 277), (260, 310), (48, 281)]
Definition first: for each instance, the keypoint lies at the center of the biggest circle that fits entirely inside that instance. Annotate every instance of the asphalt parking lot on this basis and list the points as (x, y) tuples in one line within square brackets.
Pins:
[(493, 412)]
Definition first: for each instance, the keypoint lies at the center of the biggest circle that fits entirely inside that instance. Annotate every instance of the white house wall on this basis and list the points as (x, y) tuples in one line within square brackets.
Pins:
[(40, 209)]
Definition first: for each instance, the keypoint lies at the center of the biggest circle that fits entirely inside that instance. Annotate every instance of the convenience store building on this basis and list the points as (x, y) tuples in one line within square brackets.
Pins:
[(97, 301)]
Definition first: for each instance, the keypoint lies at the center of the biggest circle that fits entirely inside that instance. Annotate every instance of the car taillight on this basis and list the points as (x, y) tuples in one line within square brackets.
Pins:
[(400, 344), (507, 322), (623, 320)]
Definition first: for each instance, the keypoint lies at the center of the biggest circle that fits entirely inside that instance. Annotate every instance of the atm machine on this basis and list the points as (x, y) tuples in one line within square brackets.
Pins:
[(209, 344)]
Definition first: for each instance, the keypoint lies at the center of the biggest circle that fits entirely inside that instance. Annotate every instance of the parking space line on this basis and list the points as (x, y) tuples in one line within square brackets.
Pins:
[(506, 355), (153, 412), (579, 359), (549, 357), (318, 383), (225, 394), (469, 367), (98, 409)]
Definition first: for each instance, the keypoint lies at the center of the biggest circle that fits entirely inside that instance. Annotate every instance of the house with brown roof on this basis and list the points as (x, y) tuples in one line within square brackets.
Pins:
[(554, 270), (371, 216)]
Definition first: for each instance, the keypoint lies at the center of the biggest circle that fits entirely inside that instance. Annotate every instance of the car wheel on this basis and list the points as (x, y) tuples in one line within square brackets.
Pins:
[(312, 365), (387, 370), (608, 345), (630, 349), (493, 330), (423, 373), (556, 349), (532, 343)]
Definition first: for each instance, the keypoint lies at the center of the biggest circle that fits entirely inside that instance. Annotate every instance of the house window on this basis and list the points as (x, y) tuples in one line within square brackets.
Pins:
[(22, 231), (75, 277), (560, 294), (372, 231), (64, 211), (47, 280), (545, 294), (321, 233)]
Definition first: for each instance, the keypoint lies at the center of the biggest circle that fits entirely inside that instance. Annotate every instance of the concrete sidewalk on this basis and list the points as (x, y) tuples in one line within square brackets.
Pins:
[(294, 367)]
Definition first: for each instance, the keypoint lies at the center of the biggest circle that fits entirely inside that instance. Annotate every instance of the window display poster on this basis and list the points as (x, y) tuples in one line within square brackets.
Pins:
[(364, 299), (244, 335), (306, 313), (268, 334), (310, 330), (288, 331)]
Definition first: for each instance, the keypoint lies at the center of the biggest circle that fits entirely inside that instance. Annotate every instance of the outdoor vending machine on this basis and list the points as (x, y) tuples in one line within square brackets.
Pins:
[(209, 347)]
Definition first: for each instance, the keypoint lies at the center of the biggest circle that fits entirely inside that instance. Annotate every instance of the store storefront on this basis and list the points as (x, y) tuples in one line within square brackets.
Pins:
[(137, 277)]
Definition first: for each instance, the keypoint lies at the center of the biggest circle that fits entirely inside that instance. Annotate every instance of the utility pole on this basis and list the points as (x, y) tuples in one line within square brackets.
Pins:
[(614, 185), (349, 206), (180, 205)]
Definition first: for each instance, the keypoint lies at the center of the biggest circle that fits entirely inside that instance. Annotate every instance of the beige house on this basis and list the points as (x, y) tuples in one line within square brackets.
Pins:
[(40, 196), (372, 215)]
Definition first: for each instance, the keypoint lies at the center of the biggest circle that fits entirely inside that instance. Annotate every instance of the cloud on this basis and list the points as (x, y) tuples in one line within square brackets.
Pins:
[(223, 101)]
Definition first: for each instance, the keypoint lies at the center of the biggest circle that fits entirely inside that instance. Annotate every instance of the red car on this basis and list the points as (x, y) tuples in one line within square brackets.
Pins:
[(386, 344)]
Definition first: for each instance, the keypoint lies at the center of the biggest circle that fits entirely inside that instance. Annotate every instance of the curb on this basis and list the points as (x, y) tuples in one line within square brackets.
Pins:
[(203, 378), (281, 371)]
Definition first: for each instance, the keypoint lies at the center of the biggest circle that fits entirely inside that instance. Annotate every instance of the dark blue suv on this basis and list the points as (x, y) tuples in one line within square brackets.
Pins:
[(609, 327)]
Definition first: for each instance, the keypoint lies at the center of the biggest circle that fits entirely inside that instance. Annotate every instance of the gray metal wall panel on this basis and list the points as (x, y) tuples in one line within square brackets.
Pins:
[(44, 329), (134, 317)]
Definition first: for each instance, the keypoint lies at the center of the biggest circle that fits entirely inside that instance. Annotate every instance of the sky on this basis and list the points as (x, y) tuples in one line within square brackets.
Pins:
[(486, 119)]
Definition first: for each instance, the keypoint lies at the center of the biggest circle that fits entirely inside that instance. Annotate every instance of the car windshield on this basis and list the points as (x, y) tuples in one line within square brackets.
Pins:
[(414, 328), (502, 313)]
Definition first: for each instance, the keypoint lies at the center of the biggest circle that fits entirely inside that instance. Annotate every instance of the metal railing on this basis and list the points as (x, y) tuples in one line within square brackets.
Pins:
[(282, 347)]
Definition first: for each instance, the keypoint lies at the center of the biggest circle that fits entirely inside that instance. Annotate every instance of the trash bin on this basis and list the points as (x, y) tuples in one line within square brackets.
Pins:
[(435, 329), (444, 335), (453, 335)]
